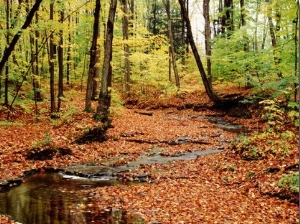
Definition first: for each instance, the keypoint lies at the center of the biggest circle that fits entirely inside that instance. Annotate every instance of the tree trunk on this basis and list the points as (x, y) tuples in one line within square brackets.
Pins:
[(7, 42), (227, 18), (51, 68), (8, 51), (154, 30), (131, 18), (69, 56), (208, 88), (255, 44), (244, 23), (207, 35), (171, 43), (273, 40), (93, 67), (183, 41), (60, 53), (37, 85), (102, 113), (125, 25)]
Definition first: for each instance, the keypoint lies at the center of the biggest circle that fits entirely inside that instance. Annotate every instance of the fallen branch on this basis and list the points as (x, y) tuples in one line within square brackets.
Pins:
[(148, 113), (168, 142)]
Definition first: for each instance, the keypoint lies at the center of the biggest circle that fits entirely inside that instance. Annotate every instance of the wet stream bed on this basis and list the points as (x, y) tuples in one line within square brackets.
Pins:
[(51, 197)]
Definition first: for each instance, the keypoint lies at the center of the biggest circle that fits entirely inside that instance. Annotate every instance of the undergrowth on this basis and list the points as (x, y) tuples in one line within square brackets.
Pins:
[(276, 140)]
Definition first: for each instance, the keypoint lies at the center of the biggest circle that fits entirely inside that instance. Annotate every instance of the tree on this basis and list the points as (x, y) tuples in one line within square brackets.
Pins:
[(125, 24), (207, 36), (273, 39), (94, 58), (227, 19), (7, 42), (102, 113), (11, 46), (52, 66), (207, 84), (60, 53), (184, 40), (171, 43)]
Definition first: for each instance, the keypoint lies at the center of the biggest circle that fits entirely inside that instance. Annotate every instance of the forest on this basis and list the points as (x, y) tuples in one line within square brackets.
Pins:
[(149, 111)]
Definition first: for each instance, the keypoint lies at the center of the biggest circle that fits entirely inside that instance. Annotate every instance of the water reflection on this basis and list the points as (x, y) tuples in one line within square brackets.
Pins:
[(52, 199)]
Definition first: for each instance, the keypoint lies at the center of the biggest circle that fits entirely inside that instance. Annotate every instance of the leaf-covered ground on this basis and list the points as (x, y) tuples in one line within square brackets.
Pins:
[(217, 188)]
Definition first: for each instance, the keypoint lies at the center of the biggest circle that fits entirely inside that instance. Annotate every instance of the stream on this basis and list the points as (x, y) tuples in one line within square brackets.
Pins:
[(51, 197)]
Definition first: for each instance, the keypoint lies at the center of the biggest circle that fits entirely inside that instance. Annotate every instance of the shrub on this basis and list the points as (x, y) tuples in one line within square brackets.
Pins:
[(291, 181)]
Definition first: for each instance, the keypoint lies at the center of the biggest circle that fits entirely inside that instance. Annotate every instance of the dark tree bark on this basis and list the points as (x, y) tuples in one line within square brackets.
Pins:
[(154, 30), (69, 54), (244, 23), (60, 53), (125, 24), (131, 17), (171, 43), (93, 69), (34, 61), (51, 67), (37, 85), (184, 41), (207, 35), (8, 51), (227, 18), (7, 42), (102, 113), (208, 88)]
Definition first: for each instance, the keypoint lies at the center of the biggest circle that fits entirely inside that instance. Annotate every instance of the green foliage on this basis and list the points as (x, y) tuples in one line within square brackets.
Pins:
[(293, 112), (291, 181), (265, 144), (116, 104), (46, 141), (66, 115), (9, 123), (272, 113), (276, 139)]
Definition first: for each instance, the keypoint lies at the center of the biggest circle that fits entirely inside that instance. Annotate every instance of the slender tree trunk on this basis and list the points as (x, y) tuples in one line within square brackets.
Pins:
[(60, 53), (208, 88), (297, 52), (33, 39), (8, 51), (227, 18), (207, 35), (37, 85), (131, 18), (154, 30), (183, 41), (255, 44), (273, 40), (93, 69), (170, 64), (69, 54), (125, 25), (244, 23), (102, 113), (171, 43), (51, 67), (95, 92), (187, 50), (7, 42)]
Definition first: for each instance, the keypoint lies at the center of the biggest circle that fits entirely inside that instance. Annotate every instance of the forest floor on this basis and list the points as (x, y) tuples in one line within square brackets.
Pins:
[(216, 188)]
